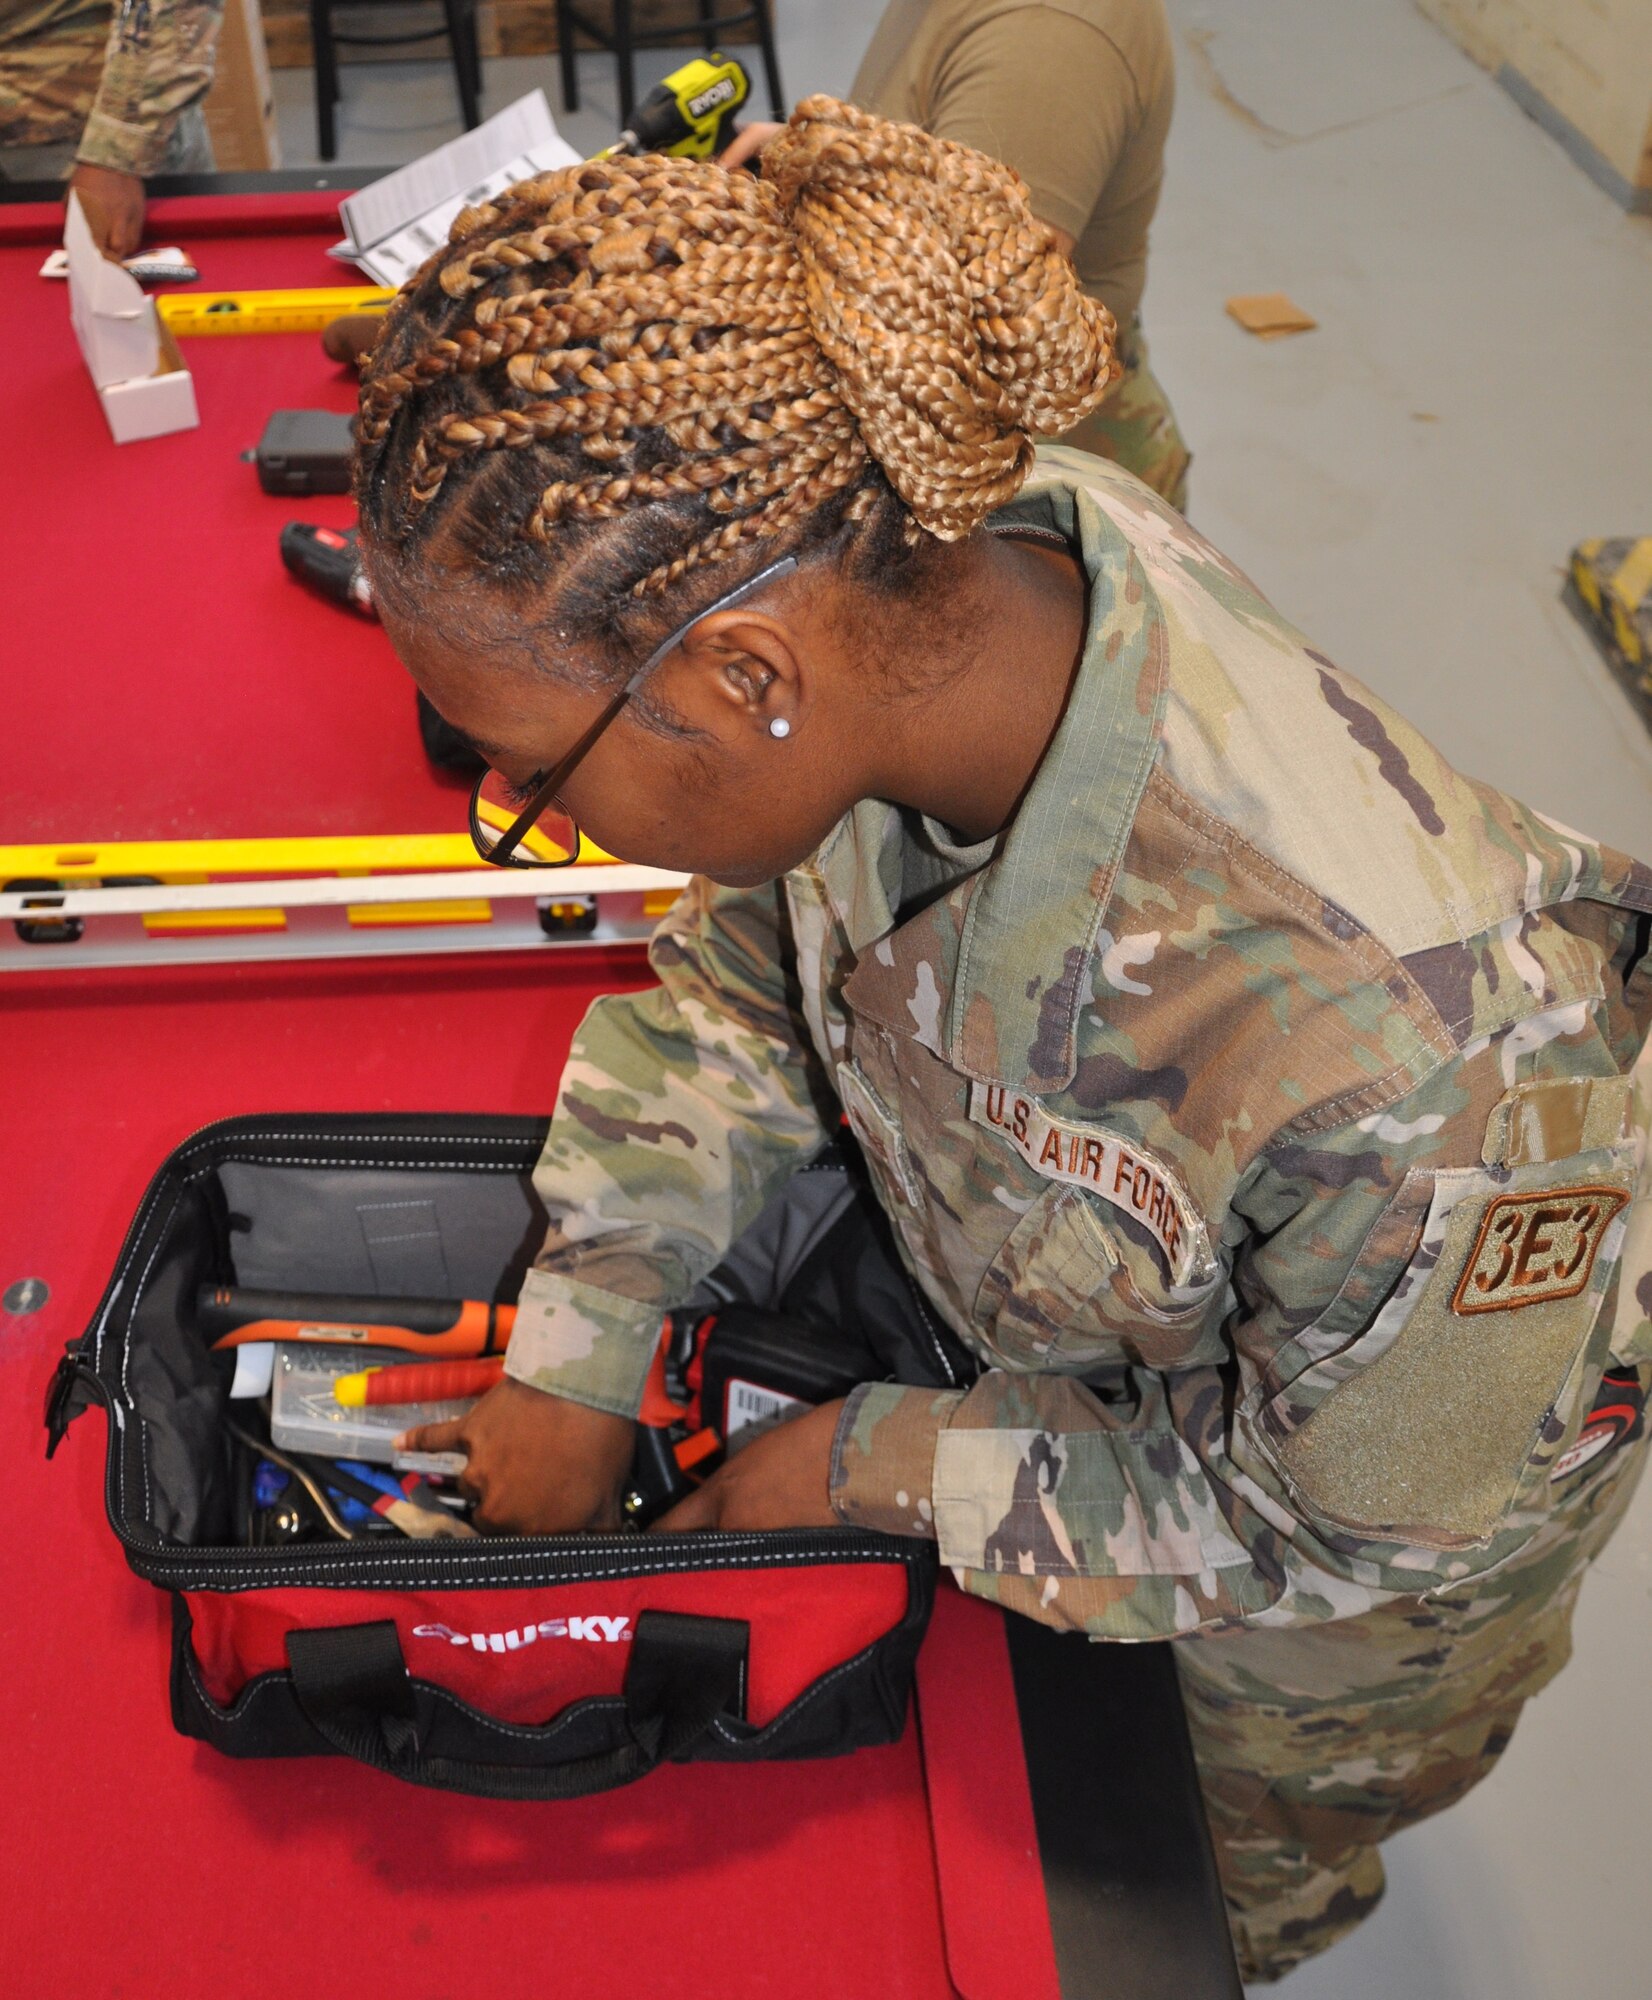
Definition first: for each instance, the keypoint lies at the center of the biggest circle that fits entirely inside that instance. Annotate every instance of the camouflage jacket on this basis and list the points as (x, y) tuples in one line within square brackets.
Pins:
[(69, 70), (1259, 1110)]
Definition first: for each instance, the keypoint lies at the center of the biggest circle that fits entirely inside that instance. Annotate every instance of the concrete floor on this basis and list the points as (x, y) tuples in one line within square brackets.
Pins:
[(1405, 483)]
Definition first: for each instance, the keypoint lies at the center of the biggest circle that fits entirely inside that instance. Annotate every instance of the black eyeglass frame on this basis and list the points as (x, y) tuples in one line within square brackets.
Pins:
[(546, 785)]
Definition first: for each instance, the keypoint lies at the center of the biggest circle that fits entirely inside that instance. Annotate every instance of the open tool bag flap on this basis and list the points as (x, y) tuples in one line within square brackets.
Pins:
[(515, 1667)]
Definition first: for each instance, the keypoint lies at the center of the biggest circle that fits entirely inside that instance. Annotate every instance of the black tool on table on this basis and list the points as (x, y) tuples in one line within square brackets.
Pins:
[(305, 451), (327, 560)]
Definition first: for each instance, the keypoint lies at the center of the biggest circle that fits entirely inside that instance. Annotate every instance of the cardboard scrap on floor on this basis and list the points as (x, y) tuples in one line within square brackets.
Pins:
[(1270, 315)]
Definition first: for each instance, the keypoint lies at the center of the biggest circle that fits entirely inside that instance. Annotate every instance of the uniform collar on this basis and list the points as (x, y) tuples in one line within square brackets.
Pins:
[(1031, 919), (1018, 936)]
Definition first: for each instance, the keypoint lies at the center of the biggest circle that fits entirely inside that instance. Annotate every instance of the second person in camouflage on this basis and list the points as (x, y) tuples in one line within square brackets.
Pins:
[(1261, 1101), (107, 96)]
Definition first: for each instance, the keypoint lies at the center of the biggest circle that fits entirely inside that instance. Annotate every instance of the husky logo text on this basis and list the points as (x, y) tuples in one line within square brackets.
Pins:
[(609, 1631)]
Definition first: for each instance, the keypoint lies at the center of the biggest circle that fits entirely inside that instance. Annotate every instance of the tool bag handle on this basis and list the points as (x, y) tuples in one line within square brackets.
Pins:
[(354, 1688)]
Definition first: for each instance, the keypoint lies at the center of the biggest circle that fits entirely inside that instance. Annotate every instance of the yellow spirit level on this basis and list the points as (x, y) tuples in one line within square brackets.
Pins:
[(268, 312)]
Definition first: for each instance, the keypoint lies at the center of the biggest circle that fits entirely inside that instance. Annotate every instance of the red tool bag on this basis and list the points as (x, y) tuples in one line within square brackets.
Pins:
[(532, 1667)]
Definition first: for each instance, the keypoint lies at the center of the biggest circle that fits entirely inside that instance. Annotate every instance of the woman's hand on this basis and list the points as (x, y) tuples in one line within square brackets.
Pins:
[(780, 1480), (539, 1465)]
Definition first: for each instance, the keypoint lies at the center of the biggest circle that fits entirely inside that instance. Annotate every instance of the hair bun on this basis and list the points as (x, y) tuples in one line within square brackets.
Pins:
[(955, 328)]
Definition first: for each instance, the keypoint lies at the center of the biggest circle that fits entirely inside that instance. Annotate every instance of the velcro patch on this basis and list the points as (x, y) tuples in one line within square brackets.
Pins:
[(1126, 1176), (1533, 1247)]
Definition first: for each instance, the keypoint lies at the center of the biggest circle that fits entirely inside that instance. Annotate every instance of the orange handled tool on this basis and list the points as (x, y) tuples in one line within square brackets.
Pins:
[(660, 1409), (417, 1382), (234, 1315)]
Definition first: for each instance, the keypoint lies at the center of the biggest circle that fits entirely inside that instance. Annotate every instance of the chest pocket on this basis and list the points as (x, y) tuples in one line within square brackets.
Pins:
[(1068, 1292), (1447, 1415)]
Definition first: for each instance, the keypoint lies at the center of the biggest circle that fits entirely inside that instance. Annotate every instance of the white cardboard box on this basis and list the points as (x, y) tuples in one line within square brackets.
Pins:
[(142, 383)]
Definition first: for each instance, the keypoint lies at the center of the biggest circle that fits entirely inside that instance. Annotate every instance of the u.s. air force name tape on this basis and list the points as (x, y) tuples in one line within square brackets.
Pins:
[(1128, 1177)]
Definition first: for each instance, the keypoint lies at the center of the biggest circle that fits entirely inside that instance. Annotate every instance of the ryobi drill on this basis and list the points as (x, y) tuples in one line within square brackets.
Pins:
[(690, 114)]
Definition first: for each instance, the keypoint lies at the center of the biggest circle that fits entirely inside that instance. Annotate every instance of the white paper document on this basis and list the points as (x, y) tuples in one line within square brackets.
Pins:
[(397, 222)]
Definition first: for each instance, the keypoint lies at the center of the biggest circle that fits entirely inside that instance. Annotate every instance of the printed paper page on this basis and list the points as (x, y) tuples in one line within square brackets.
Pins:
[(394, 260), (453, 174)]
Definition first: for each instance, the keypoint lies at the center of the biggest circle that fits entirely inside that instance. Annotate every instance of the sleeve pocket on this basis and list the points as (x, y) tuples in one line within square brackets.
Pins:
[(1444, 1415)]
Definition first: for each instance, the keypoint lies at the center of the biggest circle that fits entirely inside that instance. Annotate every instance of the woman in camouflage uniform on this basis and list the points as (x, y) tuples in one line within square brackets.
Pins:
[(1253, 1095)]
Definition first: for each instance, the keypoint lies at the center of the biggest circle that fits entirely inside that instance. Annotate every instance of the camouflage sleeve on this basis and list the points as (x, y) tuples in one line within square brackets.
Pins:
[(681, 1111), (1363, 1432), (157, 63), (1042, 1500)]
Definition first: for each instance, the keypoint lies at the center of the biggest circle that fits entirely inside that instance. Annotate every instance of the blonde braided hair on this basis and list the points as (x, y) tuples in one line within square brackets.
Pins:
[(874, 329)]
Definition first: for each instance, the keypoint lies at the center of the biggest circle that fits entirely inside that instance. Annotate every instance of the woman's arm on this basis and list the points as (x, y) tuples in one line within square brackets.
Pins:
[(1421, 1318), (681, 1111), (1422, 1315)]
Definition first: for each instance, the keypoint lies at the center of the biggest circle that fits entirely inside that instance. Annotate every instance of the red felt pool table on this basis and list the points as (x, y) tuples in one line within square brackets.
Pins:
[(172, 681), (141, 1864)]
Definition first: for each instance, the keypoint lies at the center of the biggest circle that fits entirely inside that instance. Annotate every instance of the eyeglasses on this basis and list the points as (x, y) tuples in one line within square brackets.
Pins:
[(513, 835)]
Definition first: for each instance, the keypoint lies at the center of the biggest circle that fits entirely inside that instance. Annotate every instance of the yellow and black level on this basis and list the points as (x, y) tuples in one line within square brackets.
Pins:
[(191, 313)]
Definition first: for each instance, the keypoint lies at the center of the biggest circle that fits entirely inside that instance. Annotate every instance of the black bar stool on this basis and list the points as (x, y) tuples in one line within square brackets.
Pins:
[(458, 25), (622, 41)]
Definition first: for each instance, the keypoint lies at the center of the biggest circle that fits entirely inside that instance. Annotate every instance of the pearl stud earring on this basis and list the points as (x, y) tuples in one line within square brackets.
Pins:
[(780, 727)]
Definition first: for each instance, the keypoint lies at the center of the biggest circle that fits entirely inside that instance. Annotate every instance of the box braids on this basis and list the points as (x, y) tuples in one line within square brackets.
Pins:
[(623, 373)]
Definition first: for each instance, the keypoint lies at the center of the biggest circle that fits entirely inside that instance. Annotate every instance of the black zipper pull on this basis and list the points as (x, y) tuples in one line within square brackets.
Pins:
[(71, 1390)]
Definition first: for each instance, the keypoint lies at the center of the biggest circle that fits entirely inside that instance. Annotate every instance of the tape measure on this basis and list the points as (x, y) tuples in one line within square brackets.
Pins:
[(267, 312)]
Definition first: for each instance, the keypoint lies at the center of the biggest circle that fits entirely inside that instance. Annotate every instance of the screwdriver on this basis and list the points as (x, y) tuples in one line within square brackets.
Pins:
[(235, 1316), (417, 1382)]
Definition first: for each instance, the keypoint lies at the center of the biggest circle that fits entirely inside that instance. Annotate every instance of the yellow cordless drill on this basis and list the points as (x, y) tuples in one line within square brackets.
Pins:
[(690, 114)]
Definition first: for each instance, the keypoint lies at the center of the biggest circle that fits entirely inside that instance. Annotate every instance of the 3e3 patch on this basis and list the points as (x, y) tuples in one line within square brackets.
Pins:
[(1533, 1247)]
